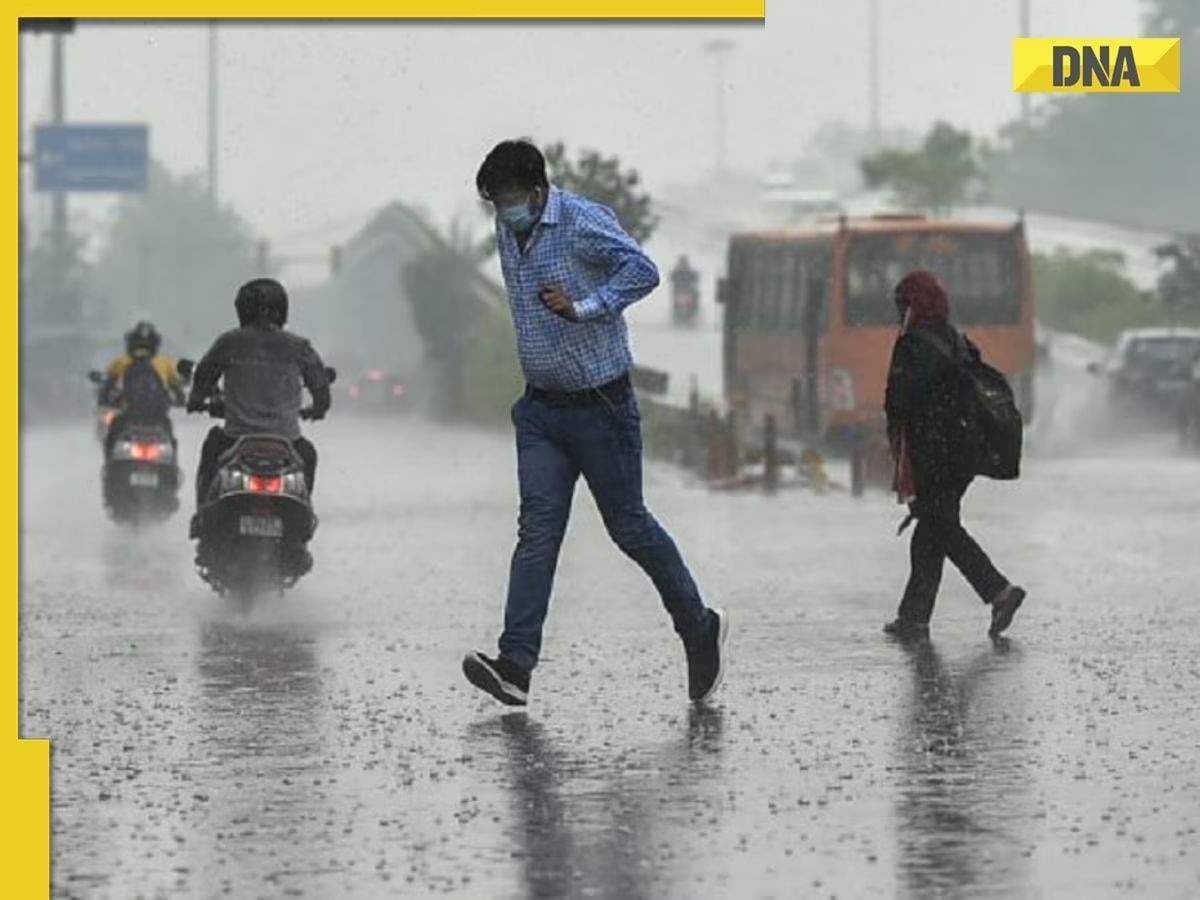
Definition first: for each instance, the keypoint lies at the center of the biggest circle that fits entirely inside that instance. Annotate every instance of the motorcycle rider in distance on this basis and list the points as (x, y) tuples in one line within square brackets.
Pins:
[(263, 367), (141, 384), (685, 290)]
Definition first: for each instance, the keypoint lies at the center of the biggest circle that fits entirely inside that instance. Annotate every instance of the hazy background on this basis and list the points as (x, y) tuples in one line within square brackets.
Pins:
[(321, 121)]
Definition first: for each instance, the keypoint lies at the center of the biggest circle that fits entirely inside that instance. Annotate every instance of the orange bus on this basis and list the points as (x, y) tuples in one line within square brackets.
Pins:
[(810, 321)]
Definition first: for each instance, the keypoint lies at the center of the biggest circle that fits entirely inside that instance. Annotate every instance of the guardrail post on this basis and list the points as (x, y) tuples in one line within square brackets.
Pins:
[(770, 455)]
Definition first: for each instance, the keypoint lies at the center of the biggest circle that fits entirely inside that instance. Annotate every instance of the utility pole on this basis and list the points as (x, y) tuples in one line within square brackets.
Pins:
[(212, 111), (873, 74), (1024, 33), (58, 209), (21, 160), (719, 48)]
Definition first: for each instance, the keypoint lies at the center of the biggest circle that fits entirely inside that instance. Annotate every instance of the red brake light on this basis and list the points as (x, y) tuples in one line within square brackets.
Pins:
[(268, 485), (355, 390), (375, 375), (143, 451), (399, 390)]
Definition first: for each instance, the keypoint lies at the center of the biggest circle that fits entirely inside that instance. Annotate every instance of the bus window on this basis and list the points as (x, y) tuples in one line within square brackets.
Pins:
[(981, 272), (771, 293), (806, 298), (743, 293), (759, 281)]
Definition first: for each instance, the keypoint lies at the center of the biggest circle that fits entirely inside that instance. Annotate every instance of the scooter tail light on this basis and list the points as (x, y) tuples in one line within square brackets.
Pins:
[(265, 484)]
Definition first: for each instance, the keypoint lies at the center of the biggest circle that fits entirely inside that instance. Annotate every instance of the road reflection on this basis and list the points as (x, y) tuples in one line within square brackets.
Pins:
[(260, 731), (596, 826), (140, 560), (962, 775)]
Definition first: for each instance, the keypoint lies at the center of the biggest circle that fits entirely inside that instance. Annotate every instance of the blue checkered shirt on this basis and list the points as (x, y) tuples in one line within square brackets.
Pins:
[(577, 246)]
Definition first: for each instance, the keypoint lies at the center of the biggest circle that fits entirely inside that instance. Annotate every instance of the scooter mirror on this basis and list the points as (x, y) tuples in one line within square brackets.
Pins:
[(185, 368), (95, 377), (330, 374)]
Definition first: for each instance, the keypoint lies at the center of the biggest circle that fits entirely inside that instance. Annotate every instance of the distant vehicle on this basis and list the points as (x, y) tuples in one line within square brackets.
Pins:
[(810, 321), (1189, 417), (786, 202), (685, 293), (1150, 372), (380, 391), (140, 477)]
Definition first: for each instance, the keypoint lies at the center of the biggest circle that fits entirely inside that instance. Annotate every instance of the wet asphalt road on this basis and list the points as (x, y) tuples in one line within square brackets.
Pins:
[(327, 746)]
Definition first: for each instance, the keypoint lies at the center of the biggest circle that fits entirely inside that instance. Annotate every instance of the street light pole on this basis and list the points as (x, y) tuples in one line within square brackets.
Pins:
[(873, 73), (21, 160), (718, 49), (212, 111), (1024, 12), (58, 207)]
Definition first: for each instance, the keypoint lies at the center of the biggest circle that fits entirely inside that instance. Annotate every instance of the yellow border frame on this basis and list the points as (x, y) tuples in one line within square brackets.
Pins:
[(25, 763)]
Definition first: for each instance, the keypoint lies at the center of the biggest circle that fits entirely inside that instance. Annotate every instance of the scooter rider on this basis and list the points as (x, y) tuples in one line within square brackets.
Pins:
[(263, 367), (141, 383)]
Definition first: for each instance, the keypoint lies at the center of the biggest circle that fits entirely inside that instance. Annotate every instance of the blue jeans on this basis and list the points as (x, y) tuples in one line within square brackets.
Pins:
[(555, 445)]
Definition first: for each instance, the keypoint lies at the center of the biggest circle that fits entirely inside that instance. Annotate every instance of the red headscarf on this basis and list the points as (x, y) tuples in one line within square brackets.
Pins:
[(925, 298), (926, 301)]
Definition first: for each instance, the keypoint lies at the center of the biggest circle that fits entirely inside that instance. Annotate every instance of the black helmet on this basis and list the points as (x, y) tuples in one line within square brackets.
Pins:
[(262, 301), (142, 338)]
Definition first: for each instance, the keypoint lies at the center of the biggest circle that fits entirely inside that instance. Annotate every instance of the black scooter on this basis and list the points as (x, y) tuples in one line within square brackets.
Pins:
[(140, 478), (256, 518)]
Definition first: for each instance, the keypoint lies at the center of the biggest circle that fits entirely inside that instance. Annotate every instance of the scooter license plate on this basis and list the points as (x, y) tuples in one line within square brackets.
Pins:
[(143, 479), (261, 526)]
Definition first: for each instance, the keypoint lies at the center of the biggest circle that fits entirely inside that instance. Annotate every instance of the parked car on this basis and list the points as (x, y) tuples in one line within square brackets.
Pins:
[(1149, 372), (379, 391), (1189, 415)]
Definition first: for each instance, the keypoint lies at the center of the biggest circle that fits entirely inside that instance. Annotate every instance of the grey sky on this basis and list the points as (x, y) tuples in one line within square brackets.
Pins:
[(321, 121)]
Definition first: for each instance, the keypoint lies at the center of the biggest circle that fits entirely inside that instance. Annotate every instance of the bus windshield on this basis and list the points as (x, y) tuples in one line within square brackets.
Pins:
[(980, 271)]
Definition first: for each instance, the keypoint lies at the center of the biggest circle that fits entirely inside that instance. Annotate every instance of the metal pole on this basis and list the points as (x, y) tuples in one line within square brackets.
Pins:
[(20, 171), (58, 210), (719, 48), (873, 73), (1025, 33), (212, 111), (720, 112)]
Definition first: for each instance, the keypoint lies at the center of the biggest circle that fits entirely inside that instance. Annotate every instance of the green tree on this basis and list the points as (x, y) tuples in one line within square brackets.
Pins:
[(462, 320), (1173, 18), (1126, 158), (1179, 287), (173, 256), (602, 178), (55, 281), (1088, 294), (943, 171)]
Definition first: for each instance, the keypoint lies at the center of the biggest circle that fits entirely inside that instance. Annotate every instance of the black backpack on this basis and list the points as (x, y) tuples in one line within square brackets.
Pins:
[(144, 397), (994, 404)]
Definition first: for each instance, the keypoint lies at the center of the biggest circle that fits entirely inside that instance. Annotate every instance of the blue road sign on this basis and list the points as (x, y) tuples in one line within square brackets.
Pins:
[(91, 157)]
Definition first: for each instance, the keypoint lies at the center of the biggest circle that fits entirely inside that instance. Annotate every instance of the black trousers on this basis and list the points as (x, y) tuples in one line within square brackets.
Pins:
[(939, 534), (218, 442)]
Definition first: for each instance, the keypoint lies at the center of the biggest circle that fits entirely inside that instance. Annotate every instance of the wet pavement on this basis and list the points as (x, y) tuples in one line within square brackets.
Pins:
[(326, 744)]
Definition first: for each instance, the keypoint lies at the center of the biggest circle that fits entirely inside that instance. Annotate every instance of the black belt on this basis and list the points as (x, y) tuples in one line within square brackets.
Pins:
[(612, 392)]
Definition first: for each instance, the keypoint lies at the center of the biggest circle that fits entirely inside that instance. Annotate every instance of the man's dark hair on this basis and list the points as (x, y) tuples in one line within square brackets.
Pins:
[(512, 165)]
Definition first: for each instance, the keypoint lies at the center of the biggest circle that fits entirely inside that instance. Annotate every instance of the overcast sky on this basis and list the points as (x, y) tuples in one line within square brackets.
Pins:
[(322, 121)]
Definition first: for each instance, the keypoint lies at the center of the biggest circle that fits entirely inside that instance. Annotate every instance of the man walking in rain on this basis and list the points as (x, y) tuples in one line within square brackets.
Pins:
[(570, 270)]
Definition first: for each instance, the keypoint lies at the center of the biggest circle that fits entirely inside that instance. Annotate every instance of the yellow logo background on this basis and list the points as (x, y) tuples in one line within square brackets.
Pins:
[(1157, 61)]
